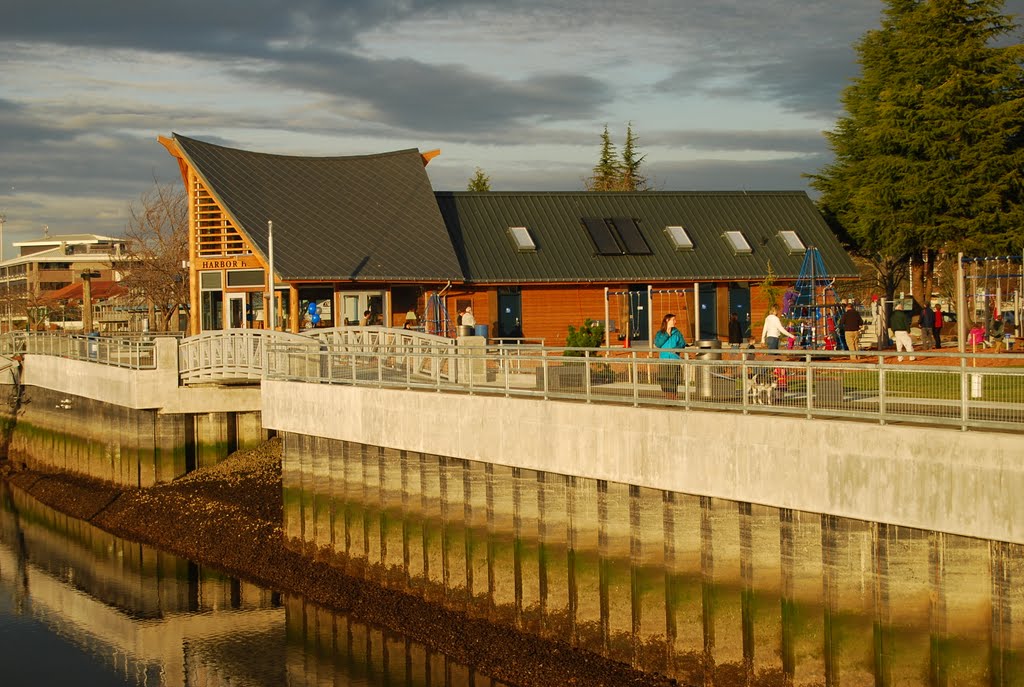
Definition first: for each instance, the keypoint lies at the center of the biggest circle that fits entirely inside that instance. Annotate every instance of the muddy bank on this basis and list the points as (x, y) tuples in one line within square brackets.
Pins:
[(229, 517)]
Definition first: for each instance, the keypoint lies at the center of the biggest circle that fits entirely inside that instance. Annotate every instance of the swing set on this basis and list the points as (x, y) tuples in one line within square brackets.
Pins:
[(998, 283), (633, 316)]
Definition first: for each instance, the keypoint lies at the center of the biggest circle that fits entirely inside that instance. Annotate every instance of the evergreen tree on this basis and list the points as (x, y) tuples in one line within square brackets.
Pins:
[(631, 179), (928, 154), (479, 181), (607, 172)]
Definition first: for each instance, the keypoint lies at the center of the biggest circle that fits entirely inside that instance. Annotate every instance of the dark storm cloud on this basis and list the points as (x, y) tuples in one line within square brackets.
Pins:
[(784, 141), (438, 98), (230, 27)]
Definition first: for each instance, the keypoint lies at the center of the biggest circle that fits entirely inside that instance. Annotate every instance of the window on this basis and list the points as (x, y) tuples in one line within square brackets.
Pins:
[(209, 281), (601, 235), (680, 239), (630, 235), (521, 237), (738, 242), (245, 277), (792, 241)]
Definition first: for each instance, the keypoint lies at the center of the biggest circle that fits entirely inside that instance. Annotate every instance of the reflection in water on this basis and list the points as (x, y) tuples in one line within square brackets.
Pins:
[(104, 610), (704, 589)]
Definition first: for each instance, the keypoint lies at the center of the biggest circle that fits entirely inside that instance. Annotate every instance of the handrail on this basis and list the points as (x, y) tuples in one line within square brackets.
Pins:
[(233, 354), (940, 388), (137, 354)]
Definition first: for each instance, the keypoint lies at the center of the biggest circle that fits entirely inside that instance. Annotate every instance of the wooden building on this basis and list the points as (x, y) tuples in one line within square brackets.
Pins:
[(347, 235)]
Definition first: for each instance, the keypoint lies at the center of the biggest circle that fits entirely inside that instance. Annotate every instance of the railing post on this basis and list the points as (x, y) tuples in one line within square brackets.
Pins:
[(881, 390), (634, 375), (809, 385), (687, 371), (964, 390), (586, 375), (544, 368)]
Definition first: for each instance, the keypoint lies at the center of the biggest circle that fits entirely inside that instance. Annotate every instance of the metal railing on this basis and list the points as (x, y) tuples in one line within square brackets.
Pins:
[(980, 391), (129, 352), (237, 355)]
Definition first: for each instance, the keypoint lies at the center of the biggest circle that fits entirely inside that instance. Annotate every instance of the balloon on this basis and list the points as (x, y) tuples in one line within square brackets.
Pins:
[(312, 308), (315, 319), (319, 310)]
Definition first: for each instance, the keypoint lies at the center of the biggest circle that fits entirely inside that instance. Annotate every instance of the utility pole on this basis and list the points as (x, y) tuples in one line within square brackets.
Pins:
[(87, 277)]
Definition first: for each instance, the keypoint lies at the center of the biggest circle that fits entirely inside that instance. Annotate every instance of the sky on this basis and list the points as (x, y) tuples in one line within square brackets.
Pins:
[(721, 94)]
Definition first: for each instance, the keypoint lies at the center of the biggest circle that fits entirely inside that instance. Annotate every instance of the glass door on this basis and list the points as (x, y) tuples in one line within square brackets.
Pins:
[(236, 311)]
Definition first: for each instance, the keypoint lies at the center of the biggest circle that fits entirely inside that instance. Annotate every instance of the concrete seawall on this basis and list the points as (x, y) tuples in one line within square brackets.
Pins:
[(124, 426), (928, 478)]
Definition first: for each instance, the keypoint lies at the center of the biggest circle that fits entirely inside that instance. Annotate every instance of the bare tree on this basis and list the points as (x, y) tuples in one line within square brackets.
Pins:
[(156, 251)]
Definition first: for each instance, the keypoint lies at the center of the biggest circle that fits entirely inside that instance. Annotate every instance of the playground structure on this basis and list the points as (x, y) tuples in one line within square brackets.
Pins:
[(813, 301), (634, 315), (994, 286)]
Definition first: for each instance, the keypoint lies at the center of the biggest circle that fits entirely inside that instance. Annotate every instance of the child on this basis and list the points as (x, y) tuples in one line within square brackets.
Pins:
[(976, 336)]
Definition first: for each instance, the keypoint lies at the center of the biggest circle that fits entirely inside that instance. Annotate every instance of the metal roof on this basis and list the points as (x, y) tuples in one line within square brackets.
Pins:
[(479, 226), (364, 218)]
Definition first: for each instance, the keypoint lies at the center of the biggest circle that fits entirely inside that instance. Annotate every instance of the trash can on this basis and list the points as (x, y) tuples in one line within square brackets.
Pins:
[(465, 330), (709, 349), (481, 330)]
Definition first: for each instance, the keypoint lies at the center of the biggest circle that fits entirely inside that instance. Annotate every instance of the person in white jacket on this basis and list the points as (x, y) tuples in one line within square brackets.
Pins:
[(773, 329)]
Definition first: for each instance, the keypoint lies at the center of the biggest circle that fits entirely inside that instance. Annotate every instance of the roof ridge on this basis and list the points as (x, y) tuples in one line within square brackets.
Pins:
[(403, 151)]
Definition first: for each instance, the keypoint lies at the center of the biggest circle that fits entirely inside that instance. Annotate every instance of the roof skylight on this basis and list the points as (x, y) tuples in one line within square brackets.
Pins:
[(738, 242), (792, 241), (680, 239), (521, 237)]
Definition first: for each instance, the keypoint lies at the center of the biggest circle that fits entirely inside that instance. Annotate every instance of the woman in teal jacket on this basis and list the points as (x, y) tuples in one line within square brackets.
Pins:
[(668, 338)]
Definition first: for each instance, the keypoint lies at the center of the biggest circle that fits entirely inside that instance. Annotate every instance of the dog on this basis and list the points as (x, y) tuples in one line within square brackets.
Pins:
[(760, 387)]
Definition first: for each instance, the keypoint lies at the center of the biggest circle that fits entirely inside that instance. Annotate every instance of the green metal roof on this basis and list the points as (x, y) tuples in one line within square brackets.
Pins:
[(363, 218), (479, 226)]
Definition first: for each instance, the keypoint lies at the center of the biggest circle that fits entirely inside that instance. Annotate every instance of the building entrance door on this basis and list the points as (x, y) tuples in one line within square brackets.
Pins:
[(236, 311), (510, 313)]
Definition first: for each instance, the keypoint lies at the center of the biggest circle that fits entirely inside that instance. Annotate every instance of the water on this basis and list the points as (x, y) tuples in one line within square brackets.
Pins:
[(707, 590), (80, 606)]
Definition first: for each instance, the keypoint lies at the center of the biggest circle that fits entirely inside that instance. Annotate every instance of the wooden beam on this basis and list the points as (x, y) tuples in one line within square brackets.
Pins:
[(430, 155), (175, 152)]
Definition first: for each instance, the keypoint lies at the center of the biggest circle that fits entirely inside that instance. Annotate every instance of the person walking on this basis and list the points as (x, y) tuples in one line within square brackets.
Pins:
[(852, 322), (667, 339), (735, 331), (927, 323), (900, 325), (937, 326), (773, 329)]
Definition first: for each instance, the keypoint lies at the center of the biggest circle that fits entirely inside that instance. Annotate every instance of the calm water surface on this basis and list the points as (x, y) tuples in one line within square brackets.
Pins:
[(80, 606)]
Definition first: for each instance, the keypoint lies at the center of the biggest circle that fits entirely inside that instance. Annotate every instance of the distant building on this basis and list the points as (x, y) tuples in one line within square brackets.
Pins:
[(359, 233), (45, 266)]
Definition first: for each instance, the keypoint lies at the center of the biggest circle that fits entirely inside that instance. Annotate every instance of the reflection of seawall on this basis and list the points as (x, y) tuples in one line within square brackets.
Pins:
[(149, 612), (126, 426), (695, 587), (328, 648)]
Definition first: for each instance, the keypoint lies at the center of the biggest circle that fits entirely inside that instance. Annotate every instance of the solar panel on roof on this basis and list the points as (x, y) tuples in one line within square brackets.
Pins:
[(601, 235), (631, 237)]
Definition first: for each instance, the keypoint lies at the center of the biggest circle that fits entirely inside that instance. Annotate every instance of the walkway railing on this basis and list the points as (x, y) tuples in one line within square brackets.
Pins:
[(434, 357), (966, 391), (240, 355), (131, 352)]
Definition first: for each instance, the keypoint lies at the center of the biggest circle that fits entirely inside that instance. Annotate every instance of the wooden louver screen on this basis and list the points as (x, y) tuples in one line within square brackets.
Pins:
[(215, 234)]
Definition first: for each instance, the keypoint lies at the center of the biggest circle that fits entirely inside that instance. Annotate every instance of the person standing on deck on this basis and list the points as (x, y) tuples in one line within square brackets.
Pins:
[(773, 329)]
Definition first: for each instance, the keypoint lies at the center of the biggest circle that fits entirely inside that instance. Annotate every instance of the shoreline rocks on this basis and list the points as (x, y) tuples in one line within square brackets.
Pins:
[(229, 517)]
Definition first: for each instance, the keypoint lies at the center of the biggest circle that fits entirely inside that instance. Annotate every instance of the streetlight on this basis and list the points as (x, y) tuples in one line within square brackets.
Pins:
[(272, 319)]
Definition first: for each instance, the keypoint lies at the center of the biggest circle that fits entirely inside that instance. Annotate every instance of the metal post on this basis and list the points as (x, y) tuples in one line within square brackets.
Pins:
[(607, 322), (272, 318), (650, 318), (696, 311), (961, 305)]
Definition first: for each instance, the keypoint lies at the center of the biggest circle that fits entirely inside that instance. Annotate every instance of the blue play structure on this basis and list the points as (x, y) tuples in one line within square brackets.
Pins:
[(816, 305)]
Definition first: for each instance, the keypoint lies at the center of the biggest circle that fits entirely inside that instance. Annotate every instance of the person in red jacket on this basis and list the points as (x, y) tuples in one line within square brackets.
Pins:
[(937, 326)]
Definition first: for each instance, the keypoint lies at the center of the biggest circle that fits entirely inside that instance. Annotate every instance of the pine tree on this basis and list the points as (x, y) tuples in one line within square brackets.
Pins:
[(607, 172), (479, 181), (630, 178), (928, 154)]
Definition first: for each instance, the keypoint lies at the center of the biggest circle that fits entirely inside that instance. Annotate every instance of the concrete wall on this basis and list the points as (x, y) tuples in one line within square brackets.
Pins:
[(136, 388), (129, 427), (928, 478)]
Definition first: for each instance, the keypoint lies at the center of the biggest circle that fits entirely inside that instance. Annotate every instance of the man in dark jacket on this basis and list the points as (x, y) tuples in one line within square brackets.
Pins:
[(927, 324), (735, 331), (900, 325), (852, 322)]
